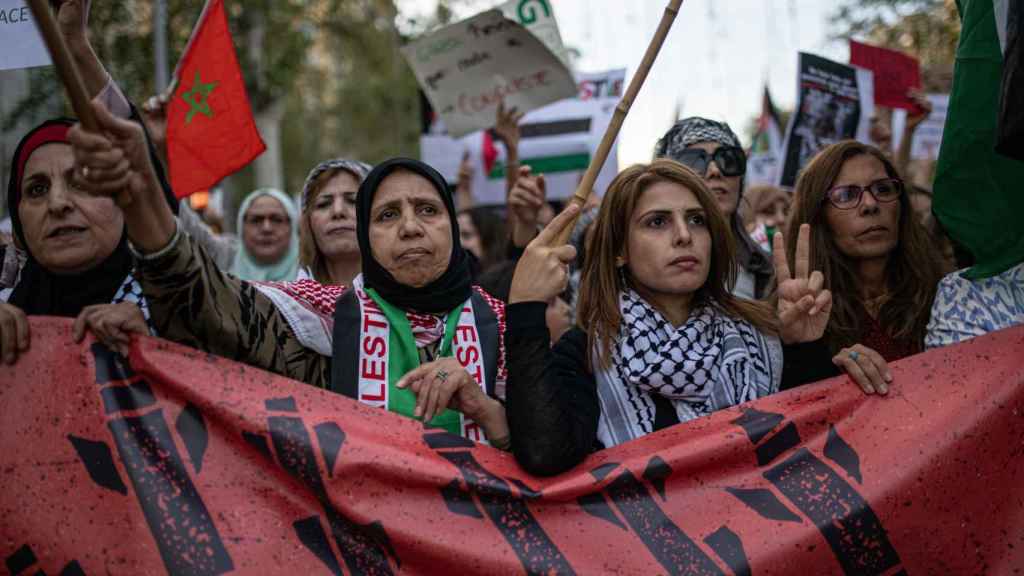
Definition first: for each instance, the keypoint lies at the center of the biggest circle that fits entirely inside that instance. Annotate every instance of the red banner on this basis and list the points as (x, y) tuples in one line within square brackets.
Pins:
[(184, 463)]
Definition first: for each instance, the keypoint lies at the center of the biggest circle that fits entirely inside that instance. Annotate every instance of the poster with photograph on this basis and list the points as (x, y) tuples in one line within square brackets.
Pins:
[(835, 102)]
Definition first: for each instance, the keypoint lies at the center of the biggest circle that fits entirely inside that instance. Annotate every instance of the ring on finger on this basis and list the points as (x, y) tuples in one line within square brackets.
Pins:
[(853, 354)]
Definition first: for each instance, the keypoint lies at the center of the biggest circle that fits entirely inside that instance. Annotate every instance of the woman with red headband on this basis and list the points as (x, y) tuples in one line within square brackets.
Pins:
[(71, 254)]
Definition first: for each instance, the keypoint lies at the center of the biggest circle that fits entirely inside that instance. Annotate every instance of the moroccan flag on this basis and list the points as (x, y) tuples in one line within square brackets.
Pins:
[(978, 192), (211, 132), (766, 149)]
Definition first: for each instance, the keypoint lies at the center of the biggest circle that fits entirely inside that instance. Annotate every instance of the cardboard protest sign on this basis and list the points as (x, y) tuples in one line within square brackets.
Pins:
[(537, 17), (557, 140), (21, 45), (467, 68), (834, 103), (175, 461), (895, 74)]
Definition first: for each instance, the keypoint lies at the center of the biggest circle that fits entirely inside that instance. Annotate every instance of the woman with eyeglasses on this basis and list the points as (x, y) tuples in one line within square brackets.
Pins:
[(877, 261), (713, 151), (268, 223)]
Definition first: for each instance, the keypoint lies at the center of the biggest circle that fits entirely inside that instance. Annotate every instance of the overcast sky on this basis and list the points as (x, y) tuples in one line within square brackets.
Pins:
[(714, 62)]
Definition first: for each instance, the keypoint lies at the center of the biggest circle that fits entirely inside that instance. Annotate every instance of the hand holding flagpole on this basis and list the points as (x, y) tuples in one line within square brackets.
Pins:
[(66, 69), (586, 185)]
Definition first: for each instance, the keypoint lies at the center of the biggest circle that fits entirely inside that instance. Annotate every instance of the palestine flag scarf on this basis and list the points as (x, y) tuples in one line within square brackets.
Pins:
[(389, 343)]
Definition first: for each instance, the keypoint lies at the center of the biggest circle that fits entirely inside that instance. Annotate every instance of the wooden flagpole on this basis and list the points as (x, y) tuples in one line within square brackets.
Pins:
[(66, 69), (586, 185)]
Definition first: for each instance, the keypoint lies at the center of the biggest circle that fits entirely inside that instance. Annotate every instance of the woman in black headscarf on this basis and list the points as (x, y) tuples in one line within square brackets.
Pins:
[(71, 254), (411, 335)]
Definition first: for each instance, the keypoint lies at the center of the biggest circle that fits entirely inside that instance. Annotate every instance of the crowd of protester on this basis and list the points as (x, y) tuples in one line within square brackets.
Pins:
[(680, 292)]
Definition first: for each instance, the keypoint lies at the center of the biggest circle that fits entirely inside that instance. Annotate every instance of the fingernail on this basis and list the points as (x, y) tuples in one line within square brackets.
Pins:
[(888, 377), (416, 413), (883, 390), (400, 384)]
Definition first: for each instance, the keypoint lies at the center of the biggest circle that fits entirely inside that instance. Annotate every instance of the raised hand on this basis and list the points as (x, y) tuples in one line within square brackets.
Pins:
[(543, 270), (112, 324), (506, 125), (803, 303), (527, 198), (72, 18), (115, 162), (924, 109)]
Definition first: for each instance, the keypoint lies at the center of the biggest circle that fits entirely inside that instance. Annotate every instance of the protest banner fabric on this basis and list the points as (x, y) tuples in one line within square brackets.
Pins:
[(766, 150), (177, 461), (978, 195), (467, 68), (834, 103), (211, 132), (557, 140), (21, 45), (895, 74)]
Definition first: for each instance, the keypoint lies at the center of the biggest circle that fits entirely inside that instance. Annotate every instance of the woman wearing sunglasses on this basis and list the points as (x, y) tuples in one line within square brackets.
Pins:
[(877, 261), (713, 151)]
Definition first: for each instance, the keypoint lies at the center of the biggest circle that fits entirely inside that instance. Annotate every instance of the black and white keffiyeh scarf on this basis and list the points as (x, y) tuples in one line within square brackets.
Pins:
[(711, 362)]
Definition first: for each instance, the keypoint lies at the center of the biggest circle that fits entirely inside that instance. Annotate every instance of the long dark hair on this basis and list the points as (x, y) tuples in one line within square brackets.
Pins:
[(598, 311), (914, 267)]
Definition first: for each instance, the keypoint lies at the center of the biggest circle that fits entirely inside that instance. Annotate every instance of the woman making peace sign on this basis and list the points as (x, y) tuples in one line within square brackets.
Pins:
[(660, 339)]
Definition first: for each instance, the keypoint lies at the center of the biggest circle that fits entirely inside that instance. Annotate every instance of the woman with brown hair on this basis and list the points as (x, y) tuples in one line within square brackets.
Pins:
[(660, 339), (328, 247), (877, 260)]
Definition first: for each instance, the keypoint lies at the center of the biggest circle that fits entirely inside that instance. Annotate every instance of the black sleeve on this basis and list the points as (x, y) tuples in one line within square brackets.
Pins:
[(806, 363), (551, 399)]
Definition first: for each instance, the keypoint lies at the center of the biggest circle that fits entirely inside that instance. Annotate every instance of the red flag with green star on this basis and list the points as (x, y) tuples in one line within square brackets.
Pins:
[(211, 132)]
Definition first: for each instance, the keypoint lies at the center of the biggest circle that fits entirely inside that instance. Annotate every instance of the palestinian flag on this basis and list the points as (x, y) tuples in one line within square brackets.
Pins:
[(211, 132), (553, 147), (978, 192), (766, 149)]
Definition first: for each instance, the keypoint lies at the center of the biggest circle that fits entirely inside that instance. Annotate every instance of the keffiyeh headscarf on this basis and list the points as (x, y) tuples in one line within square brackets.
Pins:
[(711, 362), (695, 130)]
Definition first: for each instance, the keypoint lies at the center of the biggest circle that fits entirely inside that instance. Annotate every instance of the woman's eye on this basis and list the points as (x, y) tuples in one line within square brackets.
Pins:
[(656, 222), (386, 215), (37, 190), (696, 220), (428, 210)]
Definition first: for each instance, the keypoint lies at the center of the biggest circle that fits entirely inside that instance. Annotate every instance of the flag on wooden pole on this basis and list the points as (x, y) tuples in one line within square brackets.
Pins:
[(211, 132)]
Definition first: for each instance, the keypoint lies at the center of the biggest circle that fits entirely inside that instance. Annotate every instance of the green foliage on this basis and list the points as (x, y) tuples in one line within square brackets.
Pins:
[(927, 29)]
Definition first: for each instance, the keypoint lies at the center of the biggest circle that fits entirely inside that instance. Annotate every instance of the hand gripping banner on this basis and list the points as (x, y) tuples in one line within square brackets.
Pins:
[(174, 461)]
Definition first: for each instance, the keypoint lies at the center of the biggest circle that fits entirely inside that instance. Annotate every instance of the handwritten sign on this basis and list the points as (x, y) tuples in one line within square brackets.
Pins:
[(21, 46), (556, 140), (538, 17), (467, 68)]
